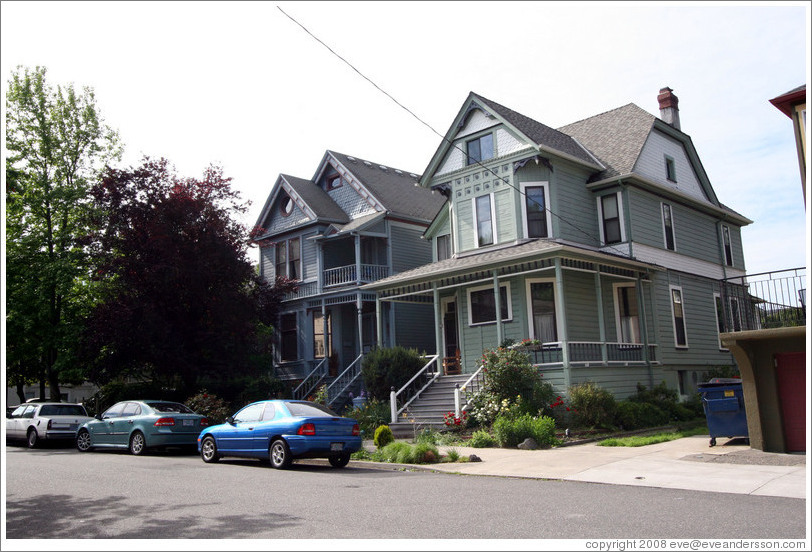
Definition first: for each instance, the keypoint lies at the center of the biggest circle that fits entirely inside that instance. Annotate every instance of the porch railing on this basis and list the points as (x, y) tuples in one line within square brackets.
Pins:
[(344, 380), (345, 275), (468, 389), (311, 381), (400, 400), (763, 301), (593, 352)]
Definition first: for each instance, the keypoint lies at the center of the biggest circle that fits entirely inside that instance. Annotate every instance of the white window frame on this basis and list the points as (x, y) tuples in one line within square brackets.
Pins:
[(620, 214), (673, 226), (726, 232), (671, 289), (718, 297), (546, 186), (437, 246), (476, 220), (531, 331), (619, 333), (469, 291)]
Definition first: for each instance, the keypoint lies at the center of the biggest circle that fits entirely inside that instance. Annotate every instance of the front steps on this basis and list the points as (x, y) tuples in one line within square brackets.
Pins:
[(429, 409)]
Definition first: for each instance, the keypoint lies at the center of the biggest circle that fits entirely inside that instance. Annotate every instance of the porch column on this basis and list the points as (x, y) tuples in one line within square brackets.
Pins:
[(560, 307), (379, 320), (438, 326), (357, 259), (644, 329), (359, 306), (327, 338), (498, 300), (601, 321)]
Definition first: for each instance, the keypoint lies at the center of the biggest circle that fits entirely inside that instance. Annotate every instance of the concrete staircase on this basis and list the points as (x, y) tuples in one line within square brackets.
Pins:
[(428, 410)]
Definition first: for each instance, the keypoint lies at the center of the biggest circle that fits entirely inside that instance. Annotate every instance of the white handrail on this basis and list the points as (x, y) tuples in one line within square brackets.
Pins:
[(457, 390), (393, 396)]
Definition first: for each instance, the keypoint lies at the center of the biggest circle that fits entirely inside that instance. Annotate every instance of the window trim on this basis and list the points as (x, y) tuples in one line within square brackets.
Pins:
[(285, 201), (288, 260), (663, 205), (531, 331), (727, 246), (330, 183), (618, 331), (476, 289), (671, 290), (437, 247), (670, 169), (545, 185), (492, 202), (479, 138), (717, 303), (620, 216)]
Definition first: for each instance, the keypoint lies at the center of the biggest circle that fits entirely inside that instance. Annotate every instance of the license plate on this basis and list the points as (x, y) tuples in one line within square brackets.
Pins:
[(336, 447), (188, 422)]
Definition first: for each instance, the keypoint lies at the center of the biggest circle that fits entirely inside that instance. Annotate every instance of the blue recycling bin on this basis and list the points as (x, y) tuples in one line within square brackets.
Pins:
[(723, 402)]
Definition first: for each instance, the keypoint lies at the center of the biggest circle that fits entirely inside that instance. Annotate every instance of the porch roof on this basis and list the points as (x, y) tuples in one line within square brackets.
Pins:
[(536, 254)]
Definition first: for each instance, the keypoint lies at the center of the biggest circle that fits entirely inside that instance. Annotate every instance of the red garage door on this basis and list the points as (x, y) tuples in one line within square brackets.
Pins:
[(791, 372)]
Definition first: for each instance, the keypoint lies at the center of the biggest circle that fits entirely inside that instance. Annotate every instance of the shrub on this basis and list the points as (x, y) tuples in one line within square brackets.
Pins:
[(482, 439), (593, 405), (425, 453), (510, 431), (404, 453), (387, 367), (453, 455), (666, 400), (383, 436), (370, 416), (637, 415), (209, 405)]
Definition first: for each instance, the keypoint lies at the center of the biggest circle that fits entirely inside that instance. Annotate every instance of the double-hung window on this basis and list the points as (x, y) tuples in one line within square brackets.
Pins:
[(728, 248), (479, 149), (484, 220), (536, 224), (289, 349), (628, 313), (482, 305), (289, 258), (443, 247), (611, 229), (678, 313), (668, 227)]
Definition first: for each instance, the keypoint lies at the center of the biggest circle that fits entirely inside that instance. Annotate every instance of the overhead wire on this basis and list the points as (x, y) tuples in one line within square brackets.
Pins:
[(442, 137)]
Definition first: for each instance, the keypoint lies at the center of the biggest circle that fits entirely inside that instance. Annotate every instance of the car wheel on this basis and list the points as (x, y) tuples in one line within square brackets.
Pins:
[(83, 441), (138, 444), (340, 461), (208, 450), (33, 438), (280, 454)]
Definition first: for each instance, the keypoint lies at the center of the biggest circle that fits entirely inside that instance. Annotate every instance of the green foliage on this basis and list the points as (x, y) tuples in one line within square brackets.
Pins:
[(370, 415), (209, 405), (57, 143), (386, 367), (665, 400), (509, 431), (321, 395), (453, 455), (593, 406), (404, 453), (118, 391), (721, 372), (482, 439), (642, 440), (637, 415), (383, 436)]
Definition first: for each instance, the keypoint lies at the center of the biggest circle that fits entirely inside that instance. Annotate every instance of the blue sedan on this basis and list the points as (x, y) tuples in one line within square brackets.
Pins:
[(280, 431)]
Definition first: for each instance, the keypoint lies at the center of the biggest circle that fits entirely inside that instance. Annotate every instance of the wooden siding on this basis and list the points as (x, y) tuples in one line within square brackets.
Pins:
[(414, 326), (465, 235), (700, 322), (276, 222), (506, 228), (581, 307), (351, 201), (651, 164), (622, 381), (266, 263), (310, 258), (408, 249)]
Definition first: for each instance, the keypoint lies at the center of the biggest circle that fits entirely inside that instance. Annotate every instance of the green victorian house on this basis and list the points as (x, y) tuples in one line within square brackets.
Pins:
[(603, 240)]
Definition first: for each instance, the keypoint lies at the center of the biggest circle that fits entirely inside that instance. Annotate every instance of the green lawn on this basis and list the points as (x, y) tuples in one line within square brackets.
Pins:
[(642, 440)]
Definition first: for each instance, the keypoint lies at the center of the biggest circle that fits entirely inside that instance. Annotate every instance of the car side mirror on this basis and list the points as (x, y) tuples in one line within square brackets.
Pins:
[(230, 420), (8, 415), (98, 416)]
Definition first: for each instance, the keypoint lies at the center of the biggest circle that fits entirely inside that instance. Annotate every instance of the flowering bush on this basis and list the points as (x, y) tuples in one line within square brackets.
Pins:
[(209, 405), (524, 344), (458, 422)]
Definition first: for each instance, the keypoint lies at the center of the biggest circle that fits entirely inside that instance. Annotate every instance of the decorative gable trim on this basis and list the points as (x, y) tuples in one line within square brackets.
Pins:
[(353, 181)]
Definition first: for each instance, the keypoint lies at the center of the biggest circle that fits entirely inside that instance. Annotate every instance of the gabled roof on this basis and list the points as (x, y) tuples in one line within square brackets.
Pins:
[(615, 137), (317, 199), (395, 189)]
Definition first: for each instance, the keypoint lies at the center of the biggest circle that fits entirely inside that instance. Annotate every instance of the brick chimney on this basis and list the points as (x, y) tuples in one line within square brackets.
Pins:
[(669, 112)]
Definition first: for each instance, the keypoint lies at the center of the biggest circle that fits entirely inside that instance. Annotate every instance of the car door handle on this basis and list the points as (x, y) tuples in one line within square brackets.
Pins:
[(250, 429), (130, 421)]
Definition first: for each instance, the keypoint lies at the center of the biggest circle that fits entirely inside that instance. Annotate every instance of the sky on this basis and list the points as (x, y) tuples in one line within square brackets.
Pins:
[(241, 85)]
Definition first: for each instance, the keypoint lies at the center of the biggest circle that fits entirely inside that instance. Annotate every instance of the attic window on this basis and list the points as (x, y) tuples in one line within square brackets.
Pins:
[(286, 206), (334, 182), (480, 149), (670, 169)]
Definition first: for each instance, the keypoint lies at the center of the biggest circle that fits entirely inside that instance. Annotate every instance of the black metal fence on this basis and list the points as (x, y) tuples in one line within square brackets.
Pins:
[(762, 301)]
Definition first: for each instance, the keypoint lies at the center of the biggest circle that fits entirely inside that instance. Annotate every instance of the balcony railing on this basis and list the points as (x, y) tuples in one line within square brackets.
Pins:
[(763, 301), (593, 352), (346, 275)]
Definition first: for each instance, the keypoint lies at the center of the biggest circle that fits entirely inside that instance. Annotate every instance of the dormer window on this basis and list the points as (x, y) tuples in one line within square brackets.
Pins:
[(670, 169), (610, 214), (480, 149), (333, 182), (286, 206)]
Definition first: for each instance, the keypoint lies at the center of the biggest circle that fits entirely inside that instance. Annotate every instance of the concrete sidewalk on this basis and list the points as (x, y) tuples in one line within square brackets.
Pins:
[(687, 463)]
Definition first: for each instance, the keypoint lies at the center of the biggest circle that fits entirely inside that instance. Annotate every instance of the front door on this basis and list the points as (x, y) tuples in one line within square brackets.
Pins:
[(451, 344)]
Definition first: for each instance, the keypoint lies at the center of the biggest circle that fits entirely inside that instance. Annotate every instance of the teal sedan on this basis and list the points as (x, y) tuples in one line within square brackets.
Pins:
[(142, 425)]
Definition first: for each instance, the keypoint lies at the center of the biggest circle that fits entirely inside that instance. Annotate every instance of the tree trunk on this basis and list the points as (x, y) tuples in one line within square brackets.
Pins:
[(21, 392)]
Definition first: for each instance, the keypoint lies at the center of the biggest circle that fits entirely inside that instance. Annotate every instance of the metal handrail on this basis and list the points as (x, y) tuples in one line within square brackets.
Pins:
[(332, 398), (316, 371), (393, 396)]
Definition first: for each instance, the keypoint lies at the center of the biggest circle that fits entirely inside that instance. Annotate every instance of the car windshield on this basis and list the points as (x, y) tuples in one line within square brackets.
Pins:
[(62, 410), (309, 410), (170, 407)]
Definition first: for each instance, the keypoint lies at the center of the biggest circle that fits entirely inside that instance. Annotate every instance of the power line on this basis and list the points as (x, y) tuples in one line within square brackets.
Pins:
[(442, 137)]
